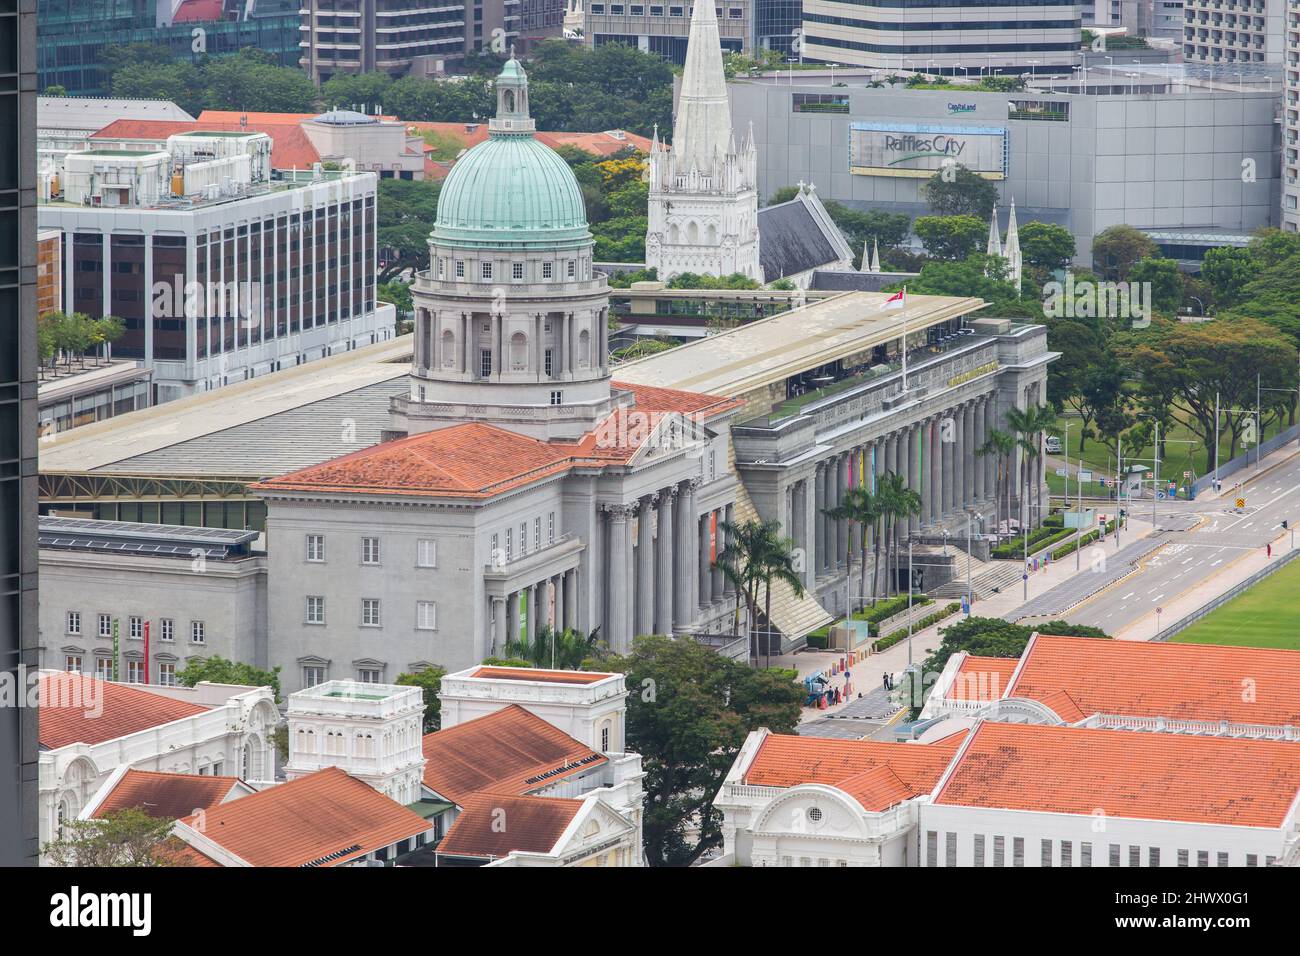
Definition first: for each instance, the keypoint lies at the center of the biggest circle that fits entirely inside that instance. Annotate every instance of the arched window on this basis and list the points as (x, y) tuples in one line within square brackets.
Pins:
[(674, 234), (519, 352), (584, 349), (509, 101), (693, 233), (448, 348), (713, 234)]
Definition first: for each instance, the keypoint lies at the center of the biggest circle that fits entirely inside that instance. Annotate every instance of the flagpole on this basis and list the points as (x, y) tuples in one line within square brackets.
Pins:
[(905, 338)]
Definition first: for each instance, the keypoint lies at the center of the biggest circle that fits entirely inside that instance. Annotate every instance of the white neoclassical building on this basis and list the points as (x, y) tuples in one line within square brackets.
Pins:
[(703, 213), (91, 728)]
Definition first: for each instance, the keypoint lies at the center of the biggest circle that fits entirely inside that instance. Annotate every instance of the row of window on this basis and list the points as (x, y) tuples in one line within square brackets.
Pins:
[(426, 551), (135, 672), (1062, 853), (509, 553), (638, 10), (487, 270), (426, 612), (135, 628), (313, 674)]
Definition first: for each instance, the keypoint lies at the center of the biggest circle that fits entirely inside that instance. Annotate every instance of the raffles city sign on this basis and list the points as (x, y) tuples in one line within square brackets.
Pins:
[(883, 149)]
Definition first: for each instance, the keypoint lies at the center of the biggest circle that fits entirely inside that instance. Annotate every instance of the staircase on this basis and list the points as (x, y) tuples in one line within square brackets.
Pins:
[(792, 616), (994, 574)]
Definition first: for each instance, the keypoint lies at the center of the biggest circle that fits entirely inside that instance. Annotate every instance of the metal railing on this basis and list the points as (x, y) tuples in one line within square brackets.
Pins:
[(1183, 623)]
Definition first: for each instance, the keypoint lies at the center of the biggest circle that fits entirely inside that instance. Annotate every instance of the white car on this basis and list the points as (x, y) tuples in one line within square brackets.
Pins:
[(1053, 445)]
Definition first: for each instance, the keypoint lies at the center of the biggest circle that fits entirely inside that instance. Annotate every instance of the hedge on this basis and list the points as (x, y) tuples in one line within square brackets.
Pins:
[(888, 608), (1087, 539), (1039, 538), (889, 640)]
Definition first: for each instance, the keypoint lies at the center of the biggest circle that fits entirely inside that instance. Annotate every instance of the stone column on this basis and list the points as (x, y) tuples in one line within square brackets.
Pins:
[(530, 611), (818, 557), (959, 458), (718, 586), (664, 571), (645, 566), (557, 620), (924, 470), (809, 532), (980, 438), (972, 462), (703, 572), (685, 578), (914, 478), (841, 526), (991, 462), (855, 532), (498, 624), (512, 616), (947, 445), (571, 598), (616, 578)]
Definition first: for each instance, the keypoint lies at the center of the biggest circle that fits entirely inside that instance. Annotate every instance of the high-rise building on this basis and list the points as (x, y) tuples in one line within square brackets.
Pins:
[(1233, 31), (73, 34), (1039, 36), (18, 632), (664, 27), (703, 214), (1291, 121)]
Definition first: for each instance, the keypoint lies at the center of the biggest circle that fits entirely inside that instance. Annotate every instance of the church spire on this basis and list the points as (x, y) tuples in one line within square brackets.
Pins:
[(702, 128), (1011, 251), (994, 247)]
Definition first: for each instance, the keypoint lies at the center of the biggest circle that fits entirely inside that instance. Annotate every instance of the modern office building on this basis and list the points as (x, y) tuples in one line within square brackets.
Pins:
[(1291, 121), (1036, 36), (73, 34), (221, 268), (664, 27), (1193, 165), (1234, 31), (18, 563)]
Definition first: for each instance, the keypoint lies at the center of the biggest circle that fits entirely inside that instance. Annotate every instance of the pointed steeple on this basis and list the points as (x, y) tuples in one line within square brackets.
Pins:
[(866, 258), (702, 127), (1011, 251), (875, 255), (995, 236)]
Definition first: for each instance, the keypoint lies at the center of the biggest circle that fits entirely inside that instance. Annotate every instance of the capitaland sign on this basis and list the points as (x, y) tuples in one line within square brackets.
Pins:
[(961, 107), (925, 146)]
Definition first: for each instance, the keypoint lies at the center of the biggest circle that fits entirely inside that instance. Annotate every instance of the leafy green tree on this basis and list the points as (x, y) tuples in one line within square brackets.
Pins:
[(994, 637), (977, 275), (1046, 245), (898, 503), (218, 670), (353, 90), (754, 556), (1002, 445), (407, 211), (1228, 270), (565, 649), (246, 81), (127, 837), (961, 192), (693, 280), (951, 237), (689, 712), (1166, 282), (429, 680), (1117, 249), (861, 509)]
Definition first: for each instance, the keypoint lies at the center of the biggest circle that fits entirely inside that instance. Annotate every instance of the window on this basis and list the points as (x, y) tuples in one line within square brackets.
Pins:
[(1046, 851), (1202, 857), (485, 363), (548, 363), (557, 397), (486, 270), (735, 13), (135, 672), (978, 850), (819, 103), (1222, 859), (311, 676), (1017, 851), (616, 9), (441, 264), (315, 547), (516, 270), (570, 269), (1049, 110), (426, 615), (368, 675), (370, 612), (198, 634), (1153, 856), (1085, 854), (167, 630), (546, 270), (1135, 856), (604, 738), (1252, 859), (1182, 858), (426, 553), (135, 627), (598, 8), (949, 849), (315, 609), (1114, 854), (656, 11), (510, 547), (931, 847), (1067, 853), (72, 663), (369, 550), (537, 533), (999, 851), (104, 668), (167, 675), (105, 626), (550, 528), (74, 622), (523, 537), (460, 268)]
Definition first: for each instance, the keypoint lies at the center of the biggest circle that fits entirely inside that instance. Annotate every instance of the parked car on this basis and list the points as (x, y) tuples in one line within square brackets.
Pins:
[(1053, 445)]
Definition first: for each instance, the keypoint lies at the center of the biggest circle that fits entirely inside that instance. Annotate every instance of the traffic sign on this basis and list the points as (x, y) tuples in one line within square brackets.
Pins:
[(1085, 476), (1241, 502), (1187, 474), (1062, 472)]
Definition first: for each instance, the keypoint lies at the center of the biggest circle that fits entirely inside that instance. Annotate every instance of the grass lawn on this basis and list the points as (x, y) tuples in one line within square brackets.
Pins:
[(1266, 615)]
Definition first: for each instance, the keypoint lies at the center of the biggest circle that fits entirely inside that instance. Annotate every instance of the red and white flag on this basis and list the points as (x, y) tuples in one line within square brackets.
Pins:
[(896, 301)]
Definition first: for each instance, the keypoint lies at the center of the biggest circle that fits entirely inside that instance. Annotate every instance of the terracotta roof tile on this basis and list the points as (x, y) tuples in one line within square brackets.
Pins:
[(172, 795), (1048, 769), (196, 11), (477, 460), (982, 678), (531, 824), (876, 774), (600, 144), (1141, 679), (290, 147), (545, 676), (75, 708), (510, 751), (306, 820)]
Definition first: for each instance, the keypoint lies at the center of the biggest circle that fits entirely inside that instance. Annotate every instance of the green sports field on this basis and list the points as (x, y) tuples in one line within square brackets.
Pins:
[(1266, 615)]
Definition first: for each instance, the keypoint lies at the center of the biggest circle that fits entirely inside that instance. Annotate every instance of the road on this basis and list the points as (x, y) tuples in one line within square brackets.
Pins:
[(1190, 558)]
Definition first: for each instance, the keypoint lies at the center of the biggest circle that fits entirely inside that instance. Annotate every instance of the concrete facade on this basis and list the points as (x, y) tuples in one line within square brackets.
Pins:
[(1291, 121), (1149, 160)]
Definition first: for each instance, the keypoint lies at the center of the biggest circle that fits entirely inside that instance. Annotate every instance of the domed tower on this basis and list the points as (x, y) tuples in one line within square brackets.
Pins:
[(510, 319)]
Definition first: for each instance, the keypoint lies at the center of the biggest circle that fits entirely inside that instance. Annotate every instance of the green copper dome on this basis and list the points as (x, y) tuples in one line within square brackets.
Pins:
[(511, 188)]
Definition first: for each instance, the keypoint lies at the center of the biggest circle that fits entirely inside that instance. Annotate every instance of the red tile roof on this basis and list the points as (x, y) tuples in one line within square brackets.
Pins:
[(876, 774), (254, 117), (477, 460), (194, 11), (545, 676), (1051, 769), (510, 751), (605, 143), (172, 795), (1140, 679), (492, 825), (75, 708), (982, 678), (309, 819), (290, 147)]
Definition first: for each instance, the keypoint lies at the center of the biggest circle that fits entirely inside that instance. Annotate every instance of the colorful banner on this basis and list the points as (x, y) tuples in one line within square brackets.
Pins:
[(713, 537), (523, 615), (116, 648)]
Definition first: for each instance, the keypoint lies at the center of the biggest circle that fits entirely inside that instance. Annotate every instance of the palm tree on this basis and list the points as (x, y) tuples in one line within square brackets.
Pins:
[(1003, 445), (862, 508), (1023, 424), (566, 649), (1045, 420), (901, 503), (754, 556)]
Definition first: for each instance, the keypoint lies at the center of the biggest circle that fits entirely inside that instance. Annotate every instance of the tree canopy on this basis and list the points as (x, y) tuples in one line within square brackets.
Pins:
[(218, 670), (959, 191)]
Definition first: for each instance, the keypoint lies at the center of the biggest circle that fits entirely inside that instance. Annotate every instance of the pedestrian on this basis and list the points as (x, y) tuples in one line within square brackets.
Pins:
[(1270, 549), (884, 681)]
